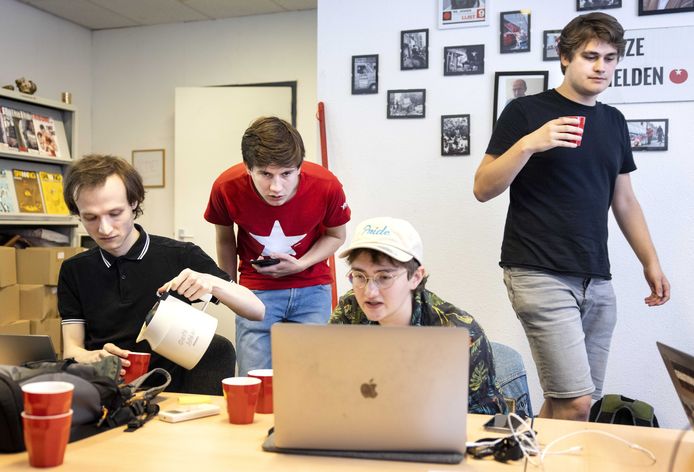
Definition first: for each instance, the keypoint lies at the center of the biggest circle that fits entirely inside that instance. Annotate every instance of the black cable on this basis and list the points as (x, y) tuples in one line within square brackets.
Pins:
[(673, 456)]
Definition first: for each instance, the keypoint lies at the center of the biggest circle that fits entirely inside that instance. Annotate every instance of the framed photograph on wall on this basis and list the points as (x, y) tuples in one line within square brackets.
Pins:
[(150, 164), (648, 135), (414, 49), (406, 103), (462, 13), (365, 74), (550, 42), (463, 60), (510, 85), (655, 7), (455, 135), (514, 31), (585, 5)]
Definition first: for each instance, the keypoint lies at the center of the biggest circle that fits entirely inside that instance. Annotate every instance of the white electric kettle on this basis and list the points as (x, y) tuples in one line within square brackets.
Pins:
[(178, 331)]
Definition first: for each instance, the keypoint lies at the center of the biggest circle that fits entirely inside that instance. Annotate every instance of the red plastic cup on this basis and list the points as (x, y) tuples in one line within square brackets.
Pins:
[(47, 398), (242, 396), (139, 363), (581, 124), (46, 438), (265, 395)]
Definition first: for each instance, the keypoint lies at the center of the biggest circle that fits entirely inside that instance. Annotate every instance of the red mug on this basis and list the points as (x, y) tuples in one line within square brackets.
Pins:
[(46, 438), (47, 398), (139, 363), (265, 395), (241, 394)]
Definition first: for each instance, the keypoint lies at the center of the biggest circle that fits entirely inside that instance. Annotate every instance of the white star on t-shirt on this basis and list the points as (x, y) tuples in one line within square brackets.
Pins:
[(277, 241)]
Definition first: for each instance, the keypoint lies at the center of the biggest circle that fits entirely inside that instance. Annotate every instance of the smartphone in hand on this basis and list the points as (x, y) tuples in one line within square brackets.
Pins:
[(265, 262)]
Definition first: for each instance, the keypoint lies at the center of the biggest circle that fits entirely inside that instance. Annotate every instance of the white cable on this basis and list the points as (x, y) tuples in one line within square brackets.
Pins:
[(546, 449)]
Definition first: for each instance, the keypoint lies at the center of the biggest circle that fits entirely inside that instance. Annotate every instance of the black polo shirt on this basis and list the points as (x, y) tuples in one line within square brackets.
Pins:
[(111, 295)]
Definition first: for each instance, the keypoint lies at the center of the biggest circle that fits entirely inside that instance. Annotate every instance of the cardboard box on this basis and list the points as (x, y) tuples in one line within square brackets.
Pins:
[(38, 302), (52, 328), (17, 327), (41, 265), (9, 304), (8, 266)]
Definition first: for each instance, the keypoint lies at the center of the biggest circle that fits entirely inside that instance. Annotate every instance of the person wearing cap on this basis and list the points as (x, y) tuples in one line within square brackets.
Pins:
[(388, 279)]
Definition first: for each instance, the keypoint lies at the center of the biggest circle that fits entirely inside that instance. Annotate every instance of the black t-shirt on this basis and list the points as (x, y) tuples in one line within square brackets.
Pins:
[(557, 215), (112, 295)]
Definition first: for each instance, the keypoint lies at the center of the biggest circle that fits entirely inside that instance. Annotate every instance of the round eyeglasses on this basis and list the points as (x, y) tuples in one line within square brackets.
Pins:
[(381, 280)]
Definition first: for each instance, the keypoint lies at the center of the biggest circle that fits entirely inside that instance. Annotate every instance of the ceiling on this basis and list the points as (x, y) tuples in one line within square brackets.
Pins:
[(106, 14)]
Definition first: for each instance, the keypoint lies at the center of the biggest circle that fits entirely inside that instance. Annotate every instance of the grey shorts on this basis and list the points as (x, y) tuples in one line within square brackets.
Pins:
[(569, 323)]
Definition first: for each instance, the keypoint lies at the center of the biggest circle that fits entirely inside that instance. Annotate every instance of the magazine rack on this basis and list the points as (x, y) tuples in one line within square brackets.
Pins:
[(43, 156)]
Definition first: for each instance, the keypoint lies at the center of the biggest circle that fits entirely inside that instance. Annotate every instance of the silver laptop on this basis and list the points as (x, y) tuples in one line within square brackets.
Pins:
[(370, 388), (680, 366), (17, 349)]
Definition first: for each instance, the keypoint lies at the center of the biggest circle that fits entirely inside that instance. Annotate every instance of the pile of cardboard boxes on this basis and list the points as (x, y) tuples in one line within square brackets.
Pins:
[(28, 290)]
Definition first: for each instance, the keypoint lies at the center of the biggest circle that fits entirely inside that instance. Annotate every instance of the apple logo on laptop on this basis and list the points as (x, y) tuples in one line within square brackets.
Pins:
[(368, 390)]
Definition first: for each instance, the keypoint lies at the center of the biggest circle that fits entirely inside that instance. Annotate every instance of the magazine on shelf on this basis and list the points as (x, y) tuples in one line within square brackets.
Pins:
[(28, 191), (17, 122), (3, 141), (52, 189), (8, 127), (28, 132), (45, 135), (8, 199)]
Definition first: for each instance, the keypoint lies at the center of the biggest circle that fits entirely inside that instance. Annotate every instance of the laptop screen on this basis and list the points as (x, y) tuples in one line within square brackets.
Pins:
[(371, 388), (680, 366), (18, 349)]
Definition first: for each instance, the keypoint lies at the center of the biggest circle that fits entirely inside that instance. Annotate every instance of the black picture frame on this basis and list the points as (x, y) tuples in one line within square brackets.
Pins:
[(414, 49), (664, 11), (463, 60), (514, 31), (550, 40), (455, 135), (406, 103), (586, 5), (365, 74), (643, 140), (536, 81)]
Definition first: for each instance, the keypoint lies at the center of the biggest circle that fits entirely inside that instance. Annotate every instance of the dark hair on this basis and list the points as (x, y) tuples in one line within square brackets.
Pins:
[(378, 257), (272, 141), (583, 28), (93, 170)]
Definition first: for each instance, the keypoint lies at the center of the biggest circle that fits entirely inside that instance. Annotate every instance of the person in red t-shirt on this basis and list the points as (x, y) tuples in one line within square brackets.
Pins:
[(285, 209)]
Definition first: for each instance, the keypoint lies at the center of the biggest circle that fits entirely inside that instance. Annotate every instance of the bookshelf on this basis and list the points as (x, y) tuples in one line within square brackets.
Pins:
[(61, 119)]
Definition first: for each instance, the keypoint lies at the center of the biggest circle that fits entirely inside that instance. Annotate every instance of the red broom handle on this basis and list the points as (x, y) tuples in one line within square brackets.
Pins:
[(324, 162)]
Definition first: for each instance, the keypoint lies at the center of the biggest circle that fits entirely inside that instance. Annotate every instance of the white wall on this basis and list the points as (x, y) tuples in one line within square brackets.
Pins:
[(136, 70), (394, 167), (54, 53)]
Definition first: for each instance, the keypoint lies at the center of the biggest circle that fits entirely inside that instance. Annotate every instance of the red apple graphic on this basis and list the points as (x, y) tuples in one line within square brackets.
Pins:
[(678, 76)]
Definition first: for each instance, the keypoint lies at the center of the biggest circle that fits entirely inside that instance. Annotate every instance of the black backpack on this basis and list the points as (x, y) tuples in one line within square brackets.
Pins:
[(618, 409), (99, 403)]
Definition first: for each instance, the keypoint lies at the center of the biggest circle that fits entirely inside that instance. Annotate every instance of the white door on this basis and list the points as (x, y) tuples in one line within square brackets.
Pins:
[(209, 124)]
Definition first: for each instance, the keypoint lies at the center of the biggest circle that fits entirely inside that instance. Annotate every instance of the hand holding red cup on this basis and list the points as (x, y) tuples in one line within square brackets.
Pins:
[(139, 363), (581, 124)]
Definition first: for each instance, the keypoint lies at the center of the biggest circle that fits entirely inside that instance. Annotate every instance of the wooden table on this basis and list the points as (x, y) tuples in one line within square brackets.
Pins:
[(212, 444)]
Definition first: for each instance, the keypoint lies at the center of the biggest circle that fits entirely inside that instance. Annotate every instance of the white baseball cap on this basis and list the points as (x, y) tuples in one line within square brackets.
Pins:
[(392, 236)]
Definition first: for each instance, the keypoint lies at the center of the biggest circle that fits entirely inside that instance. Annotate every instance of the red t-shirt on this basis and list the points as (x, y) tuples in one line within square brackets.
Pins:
[(291, 228)]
